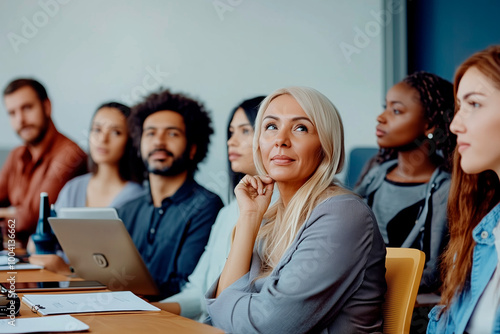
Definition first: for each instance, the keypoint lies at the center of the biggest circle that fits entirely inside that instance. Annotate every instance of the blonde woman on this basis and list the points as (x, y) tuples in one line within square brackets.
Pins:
[(315, 260), (190, 302)]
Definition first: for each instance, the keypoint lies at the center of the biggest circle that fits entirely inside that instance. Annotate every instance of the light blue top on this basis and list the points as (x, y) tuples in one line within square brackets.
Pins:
[(212, 261), (74, 193), (484, 263), (208, 269)]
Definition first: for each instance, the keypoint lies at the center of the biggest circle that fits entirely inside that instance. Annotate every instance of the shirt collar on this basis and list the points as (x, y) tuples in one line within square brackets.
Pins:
[(483, 232), (180, 195)]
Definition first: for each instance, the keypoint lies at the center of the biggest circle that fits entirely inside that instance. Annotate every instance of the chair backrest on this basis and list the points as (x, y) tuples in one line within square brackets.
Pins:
[(358, 157), (404, 267)]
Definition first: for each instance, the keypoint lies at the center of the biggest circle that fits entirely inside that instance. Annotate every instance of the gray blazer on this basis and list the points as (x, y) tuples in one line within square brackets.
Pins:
[(330, 280)]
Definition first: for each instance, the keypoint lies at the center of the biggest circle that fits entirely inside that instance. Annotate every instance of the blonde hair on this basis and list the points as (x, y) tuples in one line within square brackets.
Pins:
[(282, 224)]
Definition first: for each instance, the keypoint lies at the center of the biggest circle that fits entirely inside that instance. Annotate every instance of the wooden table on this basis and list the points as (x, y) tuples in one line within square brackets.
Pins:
[(122, 323)]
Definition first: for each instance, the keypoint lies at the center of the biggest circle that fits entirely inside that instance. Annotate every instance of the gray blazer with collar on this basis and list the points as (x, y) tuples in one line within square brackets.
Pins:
[(330, 280)]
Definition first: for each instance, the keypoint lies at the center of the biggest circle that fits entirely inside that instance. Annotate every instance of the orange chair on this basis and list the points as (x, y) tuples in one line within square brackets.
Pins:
[(404, 267)]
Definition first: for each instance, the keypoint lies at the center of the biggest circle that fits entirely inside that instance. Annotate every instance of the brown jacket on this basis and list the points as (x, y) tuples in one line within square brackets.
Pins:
[(23, 177)]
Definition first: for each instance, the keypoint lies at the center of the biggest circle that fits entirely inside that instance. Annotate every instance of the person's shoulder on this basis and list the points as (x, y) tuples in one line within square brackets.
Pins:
[(383, 167), (346, 206), (72, 192), (65, 145), (78, 181), (81, 178), (134, 187), (64, 154), (205, 195), (341, 216), (16, 153), (439, 189), (439, 183), (342, 199), (229, 211), (374, 176), (18, 150), (131, 191), (136, 203), (226, 218), (441, 176)]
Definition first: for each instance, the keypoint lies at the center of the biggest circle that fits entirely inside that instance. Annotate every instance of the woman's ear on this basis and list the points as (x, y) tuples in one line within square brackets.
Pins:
[(429, 133)]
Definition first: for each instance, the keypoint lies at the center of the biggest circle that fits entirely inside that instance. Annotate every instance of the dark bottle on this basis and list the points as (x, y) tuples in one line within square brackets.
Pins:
[(44, 239)]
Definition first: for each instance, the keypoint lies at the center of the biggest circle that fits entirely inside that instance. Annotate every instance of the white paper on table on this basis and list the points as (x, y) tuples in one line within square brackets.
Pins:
[(86, 303), (57, 323), (21, 266), (4, 260)]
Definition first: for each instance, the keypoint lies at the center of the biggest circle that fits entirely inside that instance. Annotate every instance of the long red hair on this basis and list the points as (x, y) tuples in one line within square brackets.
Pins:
[(471, 197)]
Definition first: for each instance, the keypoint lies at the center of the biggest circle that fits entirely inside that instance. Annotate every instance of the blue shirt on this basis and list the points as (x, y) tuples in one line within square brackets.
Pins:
[(484, 262), (171, 238)]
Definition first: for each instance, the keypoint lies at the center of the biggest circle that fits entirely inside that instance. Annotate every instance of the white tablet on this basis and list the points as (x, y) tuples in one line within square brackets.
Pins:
[(87, 213)]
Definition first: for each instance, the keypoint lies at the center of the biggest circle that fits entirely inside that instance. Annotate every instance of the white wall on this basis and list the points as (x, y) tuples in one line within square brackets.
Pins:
[(90, 51)]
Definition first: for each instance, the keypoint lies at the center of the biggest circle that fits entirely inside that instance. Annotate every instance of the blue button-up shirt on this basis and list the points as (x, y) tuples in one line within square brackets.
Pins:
[(484, 262), (171, 238)]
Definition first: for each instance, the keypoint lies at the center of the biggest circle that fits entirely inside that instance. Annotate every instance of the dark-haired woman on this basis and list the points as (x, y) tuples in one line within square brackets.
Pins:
[(116, 170), (408, 189), (116, 173)]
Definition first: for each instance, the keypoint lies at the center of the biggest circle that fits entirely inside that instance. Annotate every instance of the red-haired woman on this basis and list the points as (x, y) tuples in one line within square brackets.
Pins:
[(471, 293)]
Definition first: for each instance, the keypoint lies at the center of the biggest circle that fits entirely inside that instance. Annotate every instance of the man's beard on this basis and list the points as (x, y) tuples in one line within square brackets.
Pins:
[(42, 131), (178, 166)]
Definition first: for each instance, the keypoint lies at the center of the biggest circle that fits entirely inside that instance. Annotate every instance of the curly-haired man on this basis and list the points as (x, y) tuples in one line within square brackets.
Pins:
[(171, 223)]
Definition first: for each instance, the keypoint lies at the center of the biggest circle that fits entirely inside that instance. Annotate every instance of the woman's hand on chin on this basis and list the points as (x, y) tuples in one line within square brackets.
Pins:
[(253, 194)]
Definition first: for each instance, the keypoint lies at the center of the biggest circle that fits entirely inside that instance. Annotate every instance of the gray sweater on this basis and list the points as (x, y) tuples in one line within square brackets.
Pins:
[(330, 280)]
